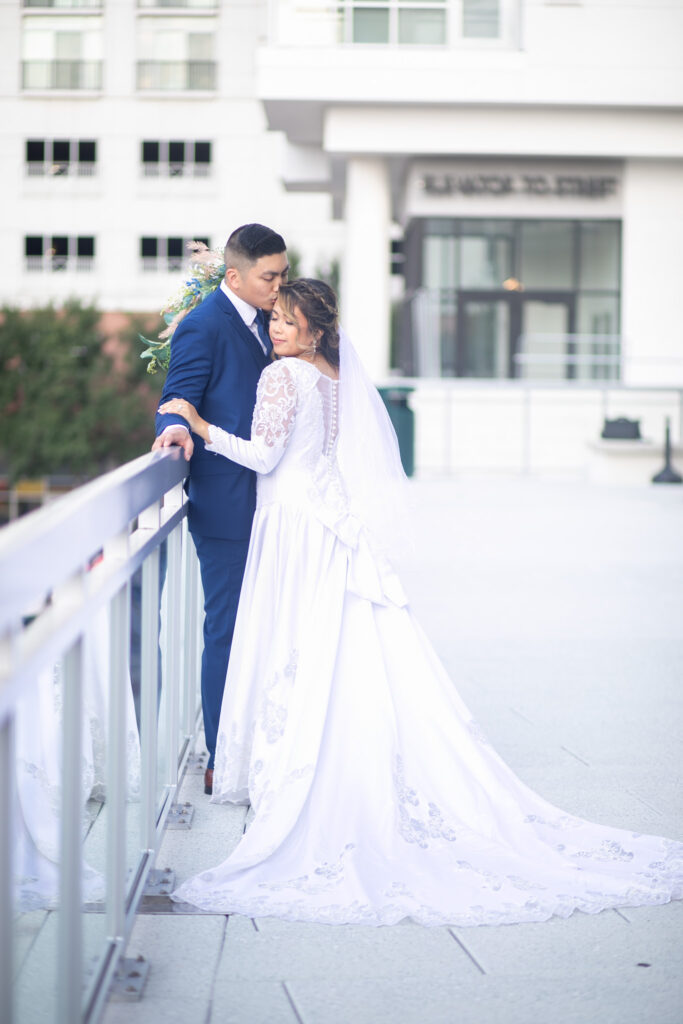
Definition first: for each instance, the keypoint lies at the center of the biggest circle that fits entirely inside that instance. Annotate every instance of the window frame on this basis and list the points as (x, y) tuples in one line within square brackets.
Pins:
[(57, 167), (164, 167), (454, 16), (69, 258), (163, 262)]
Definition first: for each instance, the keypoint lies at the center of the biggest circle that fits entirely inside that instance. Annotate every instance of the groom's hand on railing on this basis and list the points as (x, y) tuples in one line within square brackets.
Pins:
[(175, 435)]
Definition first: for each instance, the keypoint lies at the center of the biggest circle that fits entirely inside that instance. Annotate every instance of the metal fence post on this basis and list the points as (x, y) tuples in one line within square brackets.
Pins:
[(149, 713), (6, 871), (189, 681), (117, 774), (70, 923), (172, 680)]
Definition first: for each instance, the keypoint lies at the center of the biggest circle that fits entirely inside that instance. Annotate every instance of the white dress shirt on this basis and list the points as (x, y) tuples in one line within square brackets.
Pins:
[(248, 313)]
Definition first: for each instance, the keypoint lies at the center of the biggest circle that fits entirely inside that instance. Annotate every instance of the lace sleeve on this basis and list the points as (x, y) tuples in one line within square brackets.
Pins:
[(271, 427), (275, 407)]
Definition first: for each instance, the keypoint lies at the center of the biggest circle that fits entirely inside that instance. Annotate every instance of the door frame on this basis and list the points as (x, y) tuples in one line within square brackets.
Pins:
[(515, 300)]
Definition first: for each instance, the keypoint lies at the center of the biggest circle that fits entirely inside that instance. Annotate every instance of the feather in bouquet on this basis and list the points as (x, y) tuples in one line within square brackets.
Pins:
[(207, 270)]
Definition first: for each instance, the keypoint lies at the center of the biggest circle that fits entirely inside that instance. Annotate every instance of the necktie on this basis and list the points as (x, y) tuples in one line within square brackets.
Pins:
[(261, 331)]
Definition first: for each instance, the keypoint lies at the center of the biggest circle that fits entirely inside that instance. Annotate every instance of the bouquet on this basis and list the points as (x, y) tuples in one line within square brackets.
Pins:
[(207, 270)]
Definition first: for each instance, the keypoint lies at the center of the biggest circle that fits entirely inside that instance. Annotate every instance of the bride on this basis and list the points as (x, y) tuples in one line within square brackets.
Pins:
[(375, 795)]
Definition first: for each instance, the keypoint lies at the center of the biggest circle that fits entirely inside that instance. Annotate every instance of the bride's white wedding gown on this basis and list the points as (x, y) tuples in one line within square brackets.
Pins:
[(375, 795)]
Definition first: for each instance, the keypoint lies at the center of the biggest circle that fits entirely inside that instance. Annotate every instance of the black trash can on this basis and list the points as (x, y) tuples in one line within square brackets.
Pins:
[(403, 420)]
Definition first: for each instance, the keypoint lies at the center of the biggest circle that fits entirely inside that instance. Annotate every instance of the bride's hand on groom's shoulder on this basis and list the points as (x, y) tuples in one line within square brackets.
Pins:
[(182, 408)]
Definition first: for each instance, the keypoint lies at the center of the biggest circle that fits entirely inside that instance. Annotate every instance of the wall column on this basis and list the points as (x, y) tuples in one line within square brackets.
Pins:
[(365, 308), (652, 255)]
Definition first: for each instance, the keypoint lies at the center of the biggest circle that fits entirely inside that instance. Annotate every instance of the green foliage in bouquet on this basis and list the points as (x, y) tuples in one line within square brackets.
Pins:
[(207, 270)]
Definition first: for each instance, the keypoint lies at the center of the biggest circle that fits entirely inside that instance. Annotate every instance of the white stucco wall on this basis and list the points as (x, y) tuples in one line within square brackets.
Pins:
[(119, 205), (652, 319)]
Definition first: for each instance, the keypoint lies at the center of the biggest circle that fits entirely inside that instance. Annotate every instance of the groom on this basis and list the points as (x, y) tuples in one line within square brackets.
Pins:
[(217, 355)]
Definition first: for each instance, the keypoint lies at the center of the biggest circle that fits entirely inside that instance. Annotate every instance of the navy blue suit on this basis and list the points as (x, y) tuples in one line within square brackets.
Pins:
[(215, 364)]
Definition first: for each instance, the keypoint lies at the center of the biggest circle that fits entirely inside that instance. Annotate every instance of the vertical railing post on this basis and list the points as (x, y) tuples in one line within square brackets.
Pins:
[(6, 870), (70, 922), (189, 681), (117, 774), (172, 680), (199, 626), (149, 705)]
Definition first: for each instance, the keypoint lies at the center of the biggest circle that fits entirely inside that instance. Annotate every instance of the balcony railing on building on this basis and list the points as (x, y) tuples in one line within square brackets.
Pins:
[(62, 74), (162, 264), (176, 75), (193, 5), (57, 168), (66, 4), (57, 263), (176, 169)]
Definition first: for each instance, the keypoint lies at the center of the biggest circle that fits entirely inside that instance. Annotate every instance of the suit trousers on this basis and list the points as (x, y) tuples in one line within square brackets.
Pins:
[(222, 565)]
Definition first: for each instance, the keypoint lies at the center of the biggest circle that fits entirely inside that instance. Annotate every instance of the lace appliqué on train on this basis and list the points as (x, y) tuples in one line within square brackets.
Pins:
[(231, 776), (418, 827), (273, 713), (322, 878)]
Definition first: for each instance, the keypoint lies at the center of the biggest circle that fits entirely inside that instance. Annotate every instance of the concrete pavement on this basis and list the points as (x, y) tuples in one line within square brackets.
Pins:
[(556, 607)]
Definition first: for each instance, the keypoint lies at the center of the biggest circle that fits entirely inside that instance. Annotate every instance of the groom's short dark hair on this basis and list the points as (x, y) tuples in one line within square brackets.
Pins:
[(249, 243)]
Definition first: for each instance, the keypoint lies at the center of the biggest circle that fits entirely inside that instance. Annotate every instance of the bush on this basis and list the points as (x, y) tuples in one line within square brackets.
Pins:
[(68, 402)]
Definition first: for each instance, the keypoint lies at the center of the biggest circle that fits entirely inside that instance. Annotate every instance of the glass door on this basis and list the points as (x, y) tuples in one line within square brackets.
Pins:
[(484, 334), (515, 334), (545, 341)]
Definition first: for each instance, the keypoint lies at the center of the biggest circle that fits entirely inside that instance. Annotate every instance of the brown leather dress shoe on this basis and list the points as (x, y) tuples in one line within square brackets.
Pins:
[(208, 781)]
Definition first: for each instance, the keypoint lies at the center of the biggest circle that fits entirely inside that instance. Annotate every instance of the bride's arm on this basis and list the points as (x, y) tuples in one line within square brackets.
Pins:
[(274, 415)]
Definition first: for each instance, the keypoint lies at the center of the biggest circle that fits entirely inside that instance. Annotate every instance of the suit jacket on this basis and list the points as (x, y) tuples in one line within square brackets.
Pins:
[(215, 364)]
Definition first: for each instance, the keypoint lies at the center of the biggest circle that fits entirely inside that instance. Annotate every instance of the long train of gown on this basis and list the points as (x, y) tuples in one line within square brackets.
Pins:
[(375, 795)]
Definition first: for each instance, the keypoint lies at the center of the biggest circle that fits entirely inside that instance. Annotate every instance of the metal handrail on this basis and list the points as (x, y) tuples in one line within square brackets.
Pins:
[(51, 593)]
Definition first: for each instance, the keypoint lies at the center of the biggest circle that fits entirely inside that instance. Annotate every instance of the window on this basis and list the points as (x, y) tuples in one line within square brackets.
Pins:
[(62, 53), (176, 54), (58, 157), (547, 254), (63, 3), (513, 298), (178, 3), (165, 254), (424, 22), (486, 248), (481, 19), (59, 252), (176, 159), (395, 21)]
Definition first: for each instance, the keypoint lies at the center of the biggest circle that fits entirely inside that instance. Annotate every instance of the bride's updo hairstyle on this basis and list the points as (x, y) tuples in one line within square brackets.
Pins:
[(318, 303)]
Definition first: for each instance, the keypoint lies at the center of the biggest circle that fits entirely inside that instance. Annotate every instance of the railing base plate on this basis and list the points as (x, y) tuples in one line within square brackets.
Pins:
[(180, 816), (129, 980), (197, 763)]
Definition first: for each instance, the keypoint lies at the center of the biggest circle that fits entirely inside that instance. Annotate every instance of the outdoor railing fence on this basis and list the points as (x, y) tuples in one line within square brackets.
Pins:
[(181, 75), (61, 74), (100, 641)]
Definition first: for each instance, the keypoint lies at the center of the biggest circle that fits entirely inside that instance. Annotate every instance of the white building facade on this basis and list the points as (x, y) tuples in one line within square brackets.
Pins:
[(130, 127), (501, 180)]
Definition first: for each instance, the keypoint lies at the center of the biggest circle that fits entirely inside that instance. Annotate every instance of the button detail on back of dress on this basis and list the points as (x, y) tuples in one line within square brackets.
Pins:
[(329, 394)]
